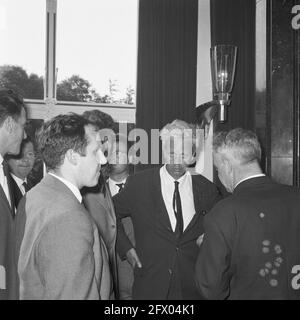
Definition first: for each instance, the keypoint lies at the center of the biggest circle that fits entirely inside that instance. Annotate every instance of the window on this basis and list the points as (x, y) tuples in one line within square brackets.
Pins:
[(22, 54), (89, 60), (96, 50)]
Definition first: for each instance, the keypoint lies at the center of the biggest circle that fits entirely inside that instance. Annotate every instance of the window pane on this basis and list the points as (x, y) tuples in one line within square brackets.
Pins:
[(22, 38), (97, 50)]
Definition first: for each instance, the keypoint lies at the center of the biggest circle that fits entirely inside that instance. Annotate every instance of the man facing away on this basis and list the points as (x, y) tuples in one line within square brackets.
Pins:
[(12, 122), (167, 206), (250, 248), (62, 255)]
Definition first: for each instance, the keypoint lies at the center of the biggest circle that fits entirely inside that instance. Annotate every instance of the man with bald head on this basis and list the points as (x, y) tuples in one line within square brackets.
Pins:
[(250, 248), (167, 206)]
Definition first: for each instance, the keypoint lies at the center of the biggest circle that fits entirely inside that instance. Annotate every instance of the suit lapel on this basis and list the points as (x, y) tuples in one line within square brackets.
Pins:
[(3, 197), (16, 192), (110, 206), (197, 204)]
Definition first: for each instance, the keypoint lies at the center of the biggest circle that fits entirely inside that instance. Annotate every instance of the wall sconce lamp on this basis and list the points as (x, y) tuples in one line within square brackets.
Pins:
[(223, 63)]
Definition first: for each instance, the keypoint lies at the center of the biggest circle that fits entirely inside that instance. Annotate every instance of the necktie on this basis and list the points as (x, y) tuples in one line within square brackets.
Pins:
[(25, 185), (120, 185), (177, 210)]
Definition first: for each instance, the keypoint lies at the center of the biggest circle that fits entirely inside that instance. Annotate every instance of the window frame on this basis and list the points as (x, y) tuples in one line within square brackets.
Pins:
[(49, 107)]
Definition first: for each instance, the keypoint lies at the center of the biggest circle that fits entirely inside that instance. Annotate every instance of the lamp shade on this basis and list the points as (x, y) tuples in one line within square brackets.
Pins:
[(223, 62)]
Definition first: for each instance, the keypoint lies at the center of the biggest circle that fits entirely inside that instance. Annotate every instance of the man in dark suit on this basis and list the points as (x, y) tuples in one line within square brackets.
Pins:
[(12, 122), (250, 248), (119, 170), (20, 166), (167, 206)]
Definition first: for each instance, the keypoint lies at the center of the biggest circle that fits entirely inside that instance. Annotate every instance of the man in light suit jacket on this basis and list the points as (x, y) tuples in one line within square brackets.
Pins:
[(12, 121), (98, 200), (61, 253), (167, 206), (250, 248)]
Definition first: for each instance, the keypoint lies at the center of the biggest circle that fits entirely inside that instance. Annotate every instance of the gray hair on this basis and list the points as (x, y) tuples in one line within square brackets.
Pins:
[(241, 144)]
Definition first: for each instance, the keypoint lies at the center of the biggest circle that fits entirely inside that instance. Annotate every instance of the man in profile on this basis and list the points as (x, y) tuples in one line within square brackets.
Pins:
[(250, 248), (61, 254), (12, 122), (97, 200)]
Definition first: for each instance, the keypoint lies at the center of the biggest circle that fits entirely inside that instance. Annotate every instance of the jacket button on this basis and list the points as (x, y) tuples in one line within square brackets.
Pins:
[(113, 226), (204, 212), (170, 271)]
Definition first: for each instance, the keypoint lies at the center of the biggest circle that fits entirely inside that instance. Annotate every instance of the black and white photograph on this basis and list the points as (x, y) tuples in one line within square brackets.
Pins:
[(150, 152)]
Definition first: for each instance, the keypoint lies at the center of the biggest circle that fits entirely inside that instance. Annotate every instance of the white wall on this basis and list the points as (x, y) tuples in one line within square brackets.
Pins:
[(204, 86)]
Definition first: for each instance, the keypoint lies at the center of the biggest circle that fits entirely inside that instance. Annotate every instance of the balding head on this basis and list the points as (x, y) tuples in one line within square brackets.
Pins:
[(239, 145)]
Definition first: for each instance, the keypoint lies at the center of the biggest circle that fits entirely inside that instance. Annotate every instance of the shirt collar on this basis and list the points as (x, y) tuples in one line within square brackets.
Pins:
[(18, 180), (250, 177), (70, 185), (116, 182), (1, 160)]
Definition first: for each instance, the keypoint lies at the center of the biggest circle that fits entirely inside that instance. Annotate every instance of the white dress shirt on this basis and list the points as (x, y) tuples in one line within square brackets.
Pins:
[(114, 189), (19, 183), (70, 185), (3, 181), (186, 195)]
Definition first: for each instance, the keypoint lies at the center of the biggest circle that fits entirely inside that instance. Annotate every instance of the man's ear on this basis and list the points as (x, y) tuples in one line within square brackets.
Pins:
[(227, 165), (72, 157), (9, 124)]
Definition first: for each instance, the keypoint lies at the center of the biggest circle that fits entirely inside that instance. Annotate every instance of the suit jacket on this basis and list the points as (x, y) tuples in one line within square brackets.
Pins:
[(125, 270), (251, 244), (61, 254), (8, 273), (101, 208), (167, 262), (17, 194)]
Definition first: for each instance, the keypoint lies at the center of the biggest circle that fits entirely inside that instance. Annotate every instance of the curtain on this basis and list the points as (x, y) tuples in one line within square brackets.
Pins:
[(233, 22), (167, 62)]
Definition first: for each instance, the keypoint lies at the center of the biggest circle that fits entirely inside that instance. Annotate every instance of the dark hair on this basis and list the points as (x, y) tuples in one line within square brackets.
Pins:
[(60, 134), (11, 104), (99, 119)]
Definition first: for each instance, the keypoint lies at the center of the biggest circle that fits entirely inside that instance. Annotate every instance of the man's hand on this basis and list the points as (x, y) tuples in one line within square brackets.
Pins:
[(133, 258)]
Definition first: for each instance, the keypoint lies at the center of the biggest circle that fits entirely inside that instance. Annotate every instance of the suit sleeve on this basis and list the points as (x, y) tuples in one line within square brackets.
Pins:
[(214, 196), (213, 263), (106, 286), (66, 259), (122, 207)]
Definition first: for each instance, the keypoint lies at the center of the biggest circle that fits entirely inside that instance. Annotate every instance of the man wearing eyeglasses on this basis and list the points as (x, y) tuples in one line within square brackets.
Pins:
[(12, 122)]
